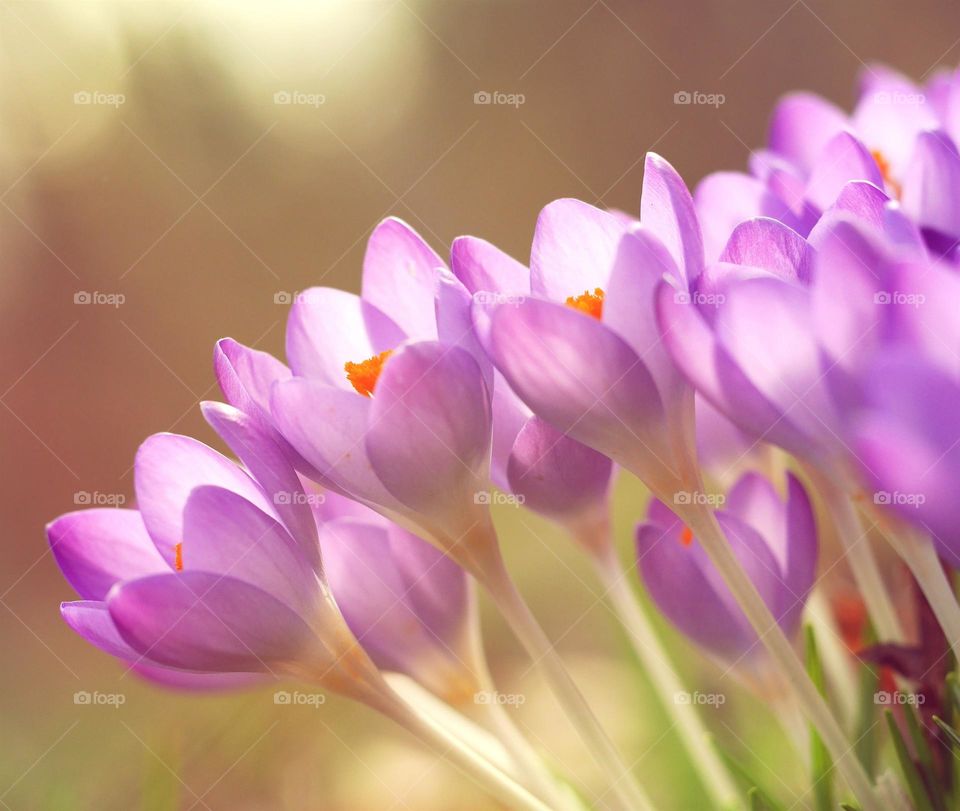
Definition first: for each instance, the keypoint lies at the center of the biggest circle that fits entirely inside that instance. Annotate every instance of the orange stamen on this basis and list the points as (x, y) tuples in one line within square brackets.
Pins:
[(178, 557), (686, 536), (587, 302), (363, 376), (884, 166)]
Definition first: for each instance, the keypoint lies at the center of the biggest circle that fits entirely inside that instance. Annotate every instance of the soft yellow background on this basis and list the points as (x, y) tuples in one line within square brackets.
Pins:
[(199, 199)]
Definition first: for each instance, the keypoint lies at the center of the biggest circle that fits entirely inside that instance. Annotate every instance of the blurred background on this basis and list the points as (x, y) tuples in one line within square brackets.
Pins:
[(173, 172)]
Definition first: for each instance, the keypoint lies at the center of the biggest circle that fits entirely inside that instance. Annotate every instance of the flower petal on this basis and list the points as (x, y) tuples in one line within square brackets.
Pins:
[(96, 548), (482, 266), (91, 620), (843, 159), (667, 209), (574, 248), (167, 468), (245, 376), (328, 328), (212, 623), (772, 246), (556, 475), (931, 184), (579, 375), (327, 426), (641, 263), (269, 465), (428, 436), (765, 326), (801, 126), (716, 375), (399, 277), (376, 588), (225, 534)]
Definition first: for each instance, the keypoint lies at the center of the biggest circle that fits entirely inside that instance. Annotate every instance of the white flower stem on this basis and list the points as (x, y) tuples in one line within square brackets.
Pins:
[(536, 776), (859, 554), (836, 657), (517, 613), (917, 550), (703, 522), (448, 746), (655, 660)]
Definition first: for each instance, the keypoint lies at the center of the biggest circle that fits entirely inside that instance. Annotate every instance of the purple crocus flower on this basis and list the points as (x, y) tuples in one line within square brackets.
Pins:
[(818, 361), (901, 138), (373, 406), (775, 542), (205, 577), (551, 473), (582, 350), (218, 575)]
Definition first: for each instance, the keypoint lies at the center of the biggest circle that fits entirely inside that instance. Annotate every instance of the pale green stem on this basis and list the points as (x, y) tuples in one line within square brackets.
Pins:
[(859, 554), (655, 660), (836, 658), (534, 774), (448, 746), (705, 527), (517, 613)]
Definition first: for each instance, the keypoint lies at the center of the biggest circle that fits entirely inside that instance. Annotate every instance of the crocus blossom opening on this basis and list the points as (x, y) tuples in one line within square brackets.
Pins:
[(587, 302), (363, 376)]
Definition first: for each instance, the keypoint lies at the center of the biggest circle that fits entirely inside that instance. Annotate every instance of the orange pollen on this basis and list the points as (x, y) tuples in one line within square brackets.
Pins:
[(686, 536), (178, 557), (363, 376), (884, 166), (587, 302)]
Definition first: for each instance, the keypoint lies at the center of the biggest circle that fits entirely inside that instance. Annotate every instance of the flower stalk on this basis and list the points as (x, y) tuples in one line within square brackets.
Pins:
[(714, 776)]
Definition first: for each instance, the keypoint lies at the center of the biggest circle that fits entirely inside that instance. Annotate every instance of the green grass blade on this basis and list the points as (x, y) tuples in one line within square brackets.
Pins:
[(821, 765), (918, 792)]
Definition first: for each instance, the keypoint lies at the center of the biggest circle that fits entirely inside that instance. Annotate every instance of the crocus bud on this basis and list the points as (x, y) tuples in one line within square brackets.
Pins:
[(774, 540)]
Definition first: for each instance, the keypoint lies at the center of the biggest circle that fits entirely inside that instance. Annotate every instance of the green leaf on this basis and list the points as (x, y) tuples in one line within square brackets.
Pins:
[(821, 765), (951, 733), (914, 781), (925, 756), (866, 734), (743, 775), (757, 801)]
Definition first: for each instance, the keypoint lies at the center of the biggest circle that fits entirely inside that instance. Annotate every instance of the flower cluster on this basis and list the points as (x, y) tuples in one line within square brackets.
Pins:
[(776, 357)]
